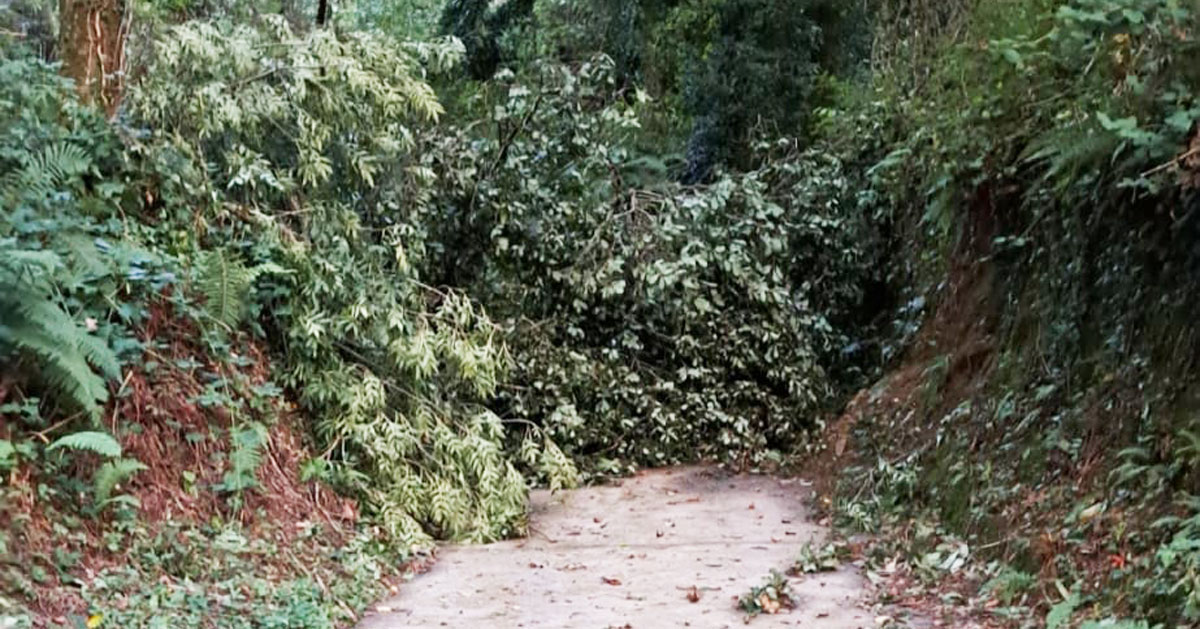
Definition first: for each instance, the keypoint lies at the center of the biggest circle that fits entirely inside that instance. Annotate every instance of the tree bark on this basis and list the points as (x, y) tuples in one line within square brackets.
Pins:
[(92, 47)]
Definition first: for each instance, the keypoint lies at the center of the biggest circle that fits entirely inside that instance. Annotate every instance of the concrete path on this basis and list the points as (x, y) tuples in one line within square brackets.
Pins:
[(629, 556)]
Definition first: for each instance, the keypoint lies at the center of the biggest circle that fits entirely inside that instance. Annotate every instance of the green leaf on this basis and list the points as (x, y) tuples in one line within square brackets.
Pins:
[(225, 283), (1013, 57), (99, 442), (1125, 128), (1133, 16), (1182, 120), (7, 453), (111, 474), (1061, 613)]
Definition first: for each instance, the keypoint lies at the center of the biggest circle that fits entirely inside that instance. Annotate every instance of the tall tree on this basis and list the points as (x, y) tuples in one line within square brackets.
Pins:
[(92, 47)]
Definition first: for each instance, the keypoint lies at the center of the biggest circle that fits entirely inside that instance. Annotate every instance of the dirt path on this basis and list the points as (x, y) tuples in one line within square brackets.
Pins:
[(626, 556)]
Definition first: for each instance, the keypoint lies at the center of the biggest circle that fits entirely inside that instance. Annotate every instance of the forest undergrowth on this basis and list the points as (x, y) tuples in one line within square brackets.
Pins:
[(295, 293)]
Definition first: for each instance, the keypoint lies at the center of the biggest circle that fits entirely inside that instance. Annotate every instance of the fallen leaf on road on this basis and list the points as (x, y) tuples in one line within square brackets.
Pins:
[(610, 581), (768, 604)]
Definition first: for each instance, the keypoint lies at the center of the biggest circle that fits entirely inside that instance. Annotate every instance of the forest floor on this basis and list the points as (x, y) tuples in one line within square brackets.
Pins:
[(672, 547)]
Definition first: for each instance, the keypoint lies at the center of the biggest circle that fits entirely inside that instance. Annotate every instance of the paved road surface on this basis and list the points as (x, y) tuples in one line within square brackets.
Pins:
[(627, 556)]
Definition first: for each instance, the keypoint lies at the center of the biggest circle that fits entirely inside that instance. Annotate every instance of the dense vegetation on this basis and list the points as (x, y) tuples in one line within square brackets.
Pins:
[(306, 287)]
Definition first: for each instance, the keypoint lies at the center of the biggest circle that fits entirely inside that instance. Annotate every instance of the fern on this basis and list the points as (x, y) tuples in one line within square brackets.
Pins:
[(57, 164), (111, 474), (43, 173), (33, 323), (99, 442), (245, 457), (225, 283), (1067, 153)]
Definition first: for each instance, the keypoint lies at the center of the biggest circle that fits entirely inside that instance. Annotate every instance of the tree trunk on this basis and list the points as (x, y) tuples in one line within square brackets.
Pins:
[(92, 47)]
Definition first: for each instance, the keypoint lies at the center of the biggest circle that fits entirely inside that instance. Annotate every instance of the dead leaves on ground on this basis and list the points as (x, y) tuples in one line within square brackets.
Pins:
[(772, 597)]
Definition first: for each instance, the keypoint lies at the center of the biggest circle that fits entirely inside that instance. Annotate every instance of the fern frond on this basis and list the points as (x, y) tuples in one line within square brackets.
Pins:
[(111, 474), (61, 162), (32, 322), (63, 349), (30, 264), (224, 282), (101, 443), (245, 457), (47, 171), (1070, 151), (99, 355)]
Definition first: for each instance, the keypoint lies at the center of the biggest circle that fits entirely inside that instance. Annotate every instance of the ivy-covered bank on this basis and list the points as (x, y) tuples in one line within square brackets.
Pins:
[(1028, 459), (312, 286)]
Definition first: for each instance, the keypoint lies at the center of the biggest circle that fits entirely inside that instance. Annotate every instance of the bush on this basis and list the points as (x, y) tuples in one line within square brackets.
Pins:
[(649, 324), (305, 183)]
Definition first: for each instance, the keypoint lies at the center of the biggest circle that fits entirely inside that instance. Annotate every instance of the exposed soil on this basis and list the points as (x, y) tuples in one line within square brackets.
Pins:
[(635, 555), (947, 362), (158, 421)]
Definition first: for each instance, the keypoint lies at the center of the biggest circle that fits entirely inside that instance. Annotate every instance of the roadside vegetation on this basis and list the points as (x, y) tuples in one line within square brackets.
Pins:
[(289, 292)]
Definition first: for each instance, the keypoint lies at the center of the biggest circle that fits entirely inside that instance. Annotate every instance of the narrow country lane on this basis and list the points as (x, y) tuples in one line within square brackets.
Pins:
[(629, 555)]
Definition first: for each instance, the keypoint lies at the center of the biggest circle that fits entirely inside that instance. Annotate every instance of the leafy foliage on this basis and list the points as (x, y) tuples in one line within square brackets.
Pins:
[(1043, 225), (772, 597), (761, 61), (225, 284), (110, 475), (187, 576), (728, 73), (32, 322), (822, 559), (48, 149), (649, 325), (392, 369), (246, 455), (99, 442), (468, 294)]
